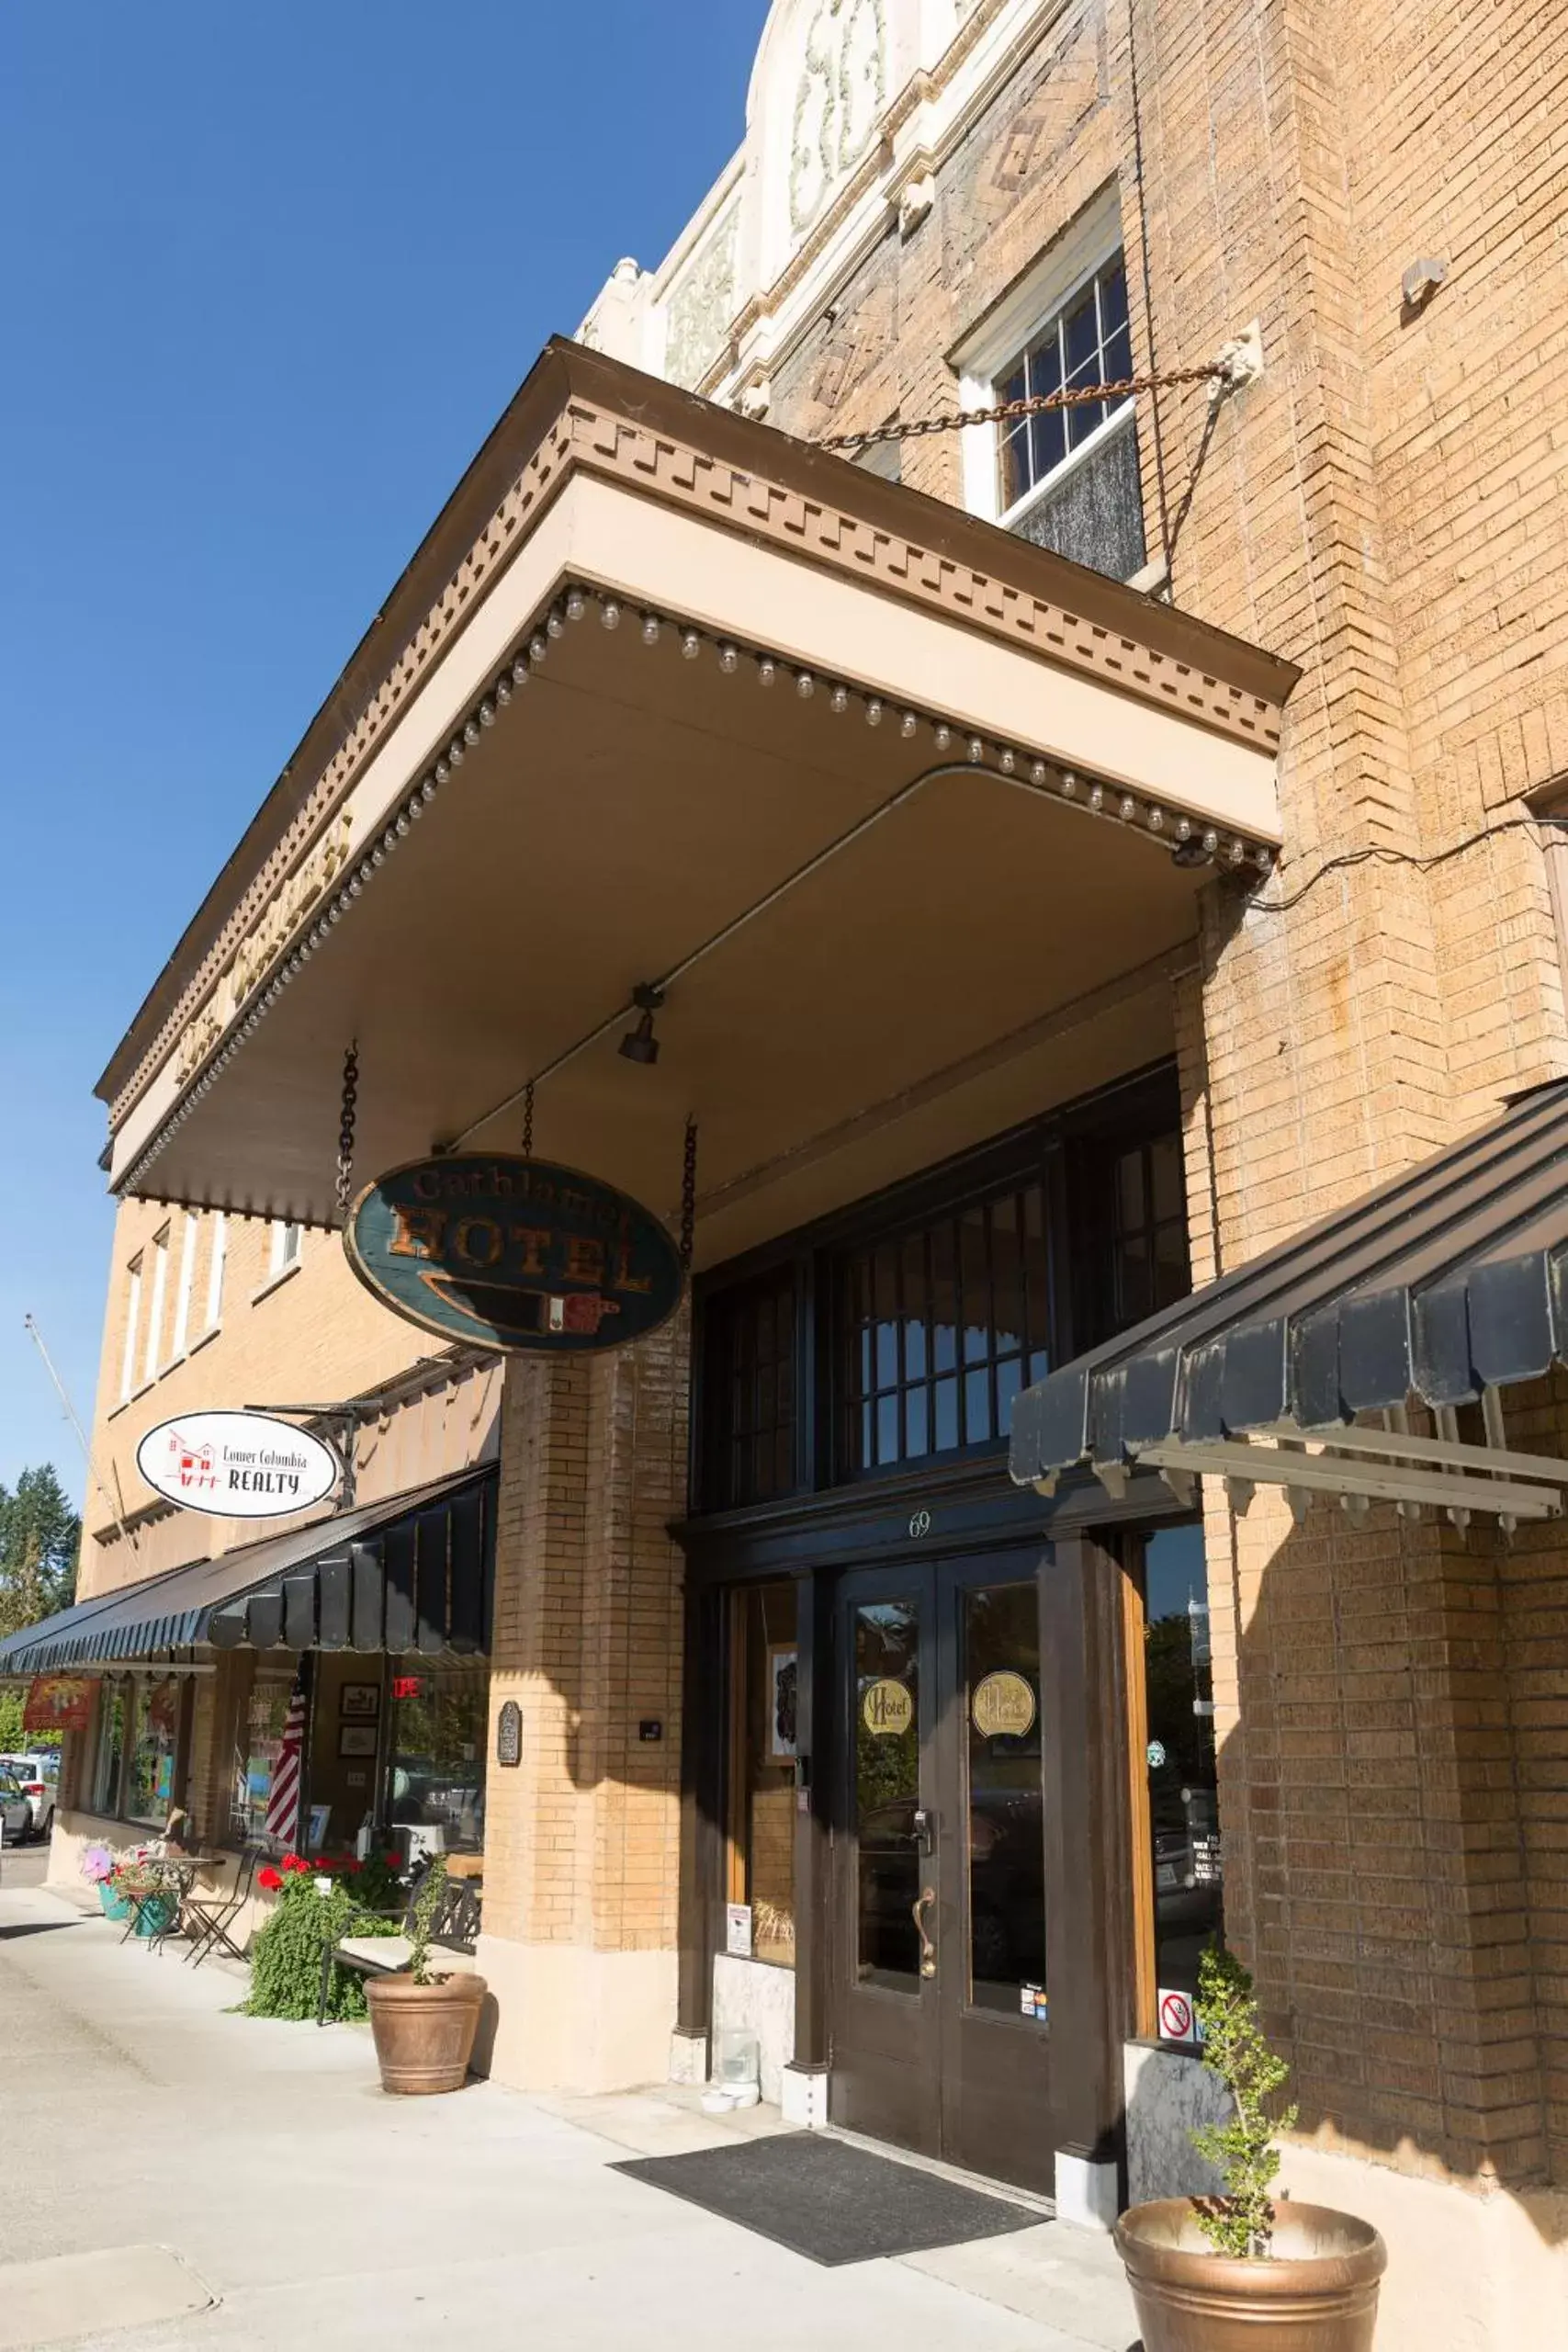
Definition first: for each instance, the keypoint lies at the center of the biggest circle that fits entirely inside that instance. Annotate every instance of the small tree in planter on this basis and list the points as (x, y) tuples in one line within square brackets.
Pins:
[(1245, 2152), (425, 2018), (1231, 2271)]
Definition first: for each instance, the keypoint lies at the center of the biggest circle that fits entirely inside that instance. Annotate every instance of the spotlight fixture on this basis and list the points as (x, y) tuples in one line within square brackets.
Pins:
[(640, 1045)]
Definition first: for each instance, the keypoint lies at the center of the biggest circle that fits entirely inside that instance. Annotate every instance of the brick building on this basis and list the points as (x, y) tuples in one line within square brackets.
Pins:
[(1188, 946)]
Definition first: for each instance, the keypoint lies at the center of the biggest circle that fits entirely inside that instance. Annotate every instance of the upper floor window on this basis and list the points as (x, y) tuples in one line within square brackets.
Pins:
[(749, 1374), (215, 1270), (1067, 478), (285, 1238), (132, 1316), (181, 1338), (151, 1363)]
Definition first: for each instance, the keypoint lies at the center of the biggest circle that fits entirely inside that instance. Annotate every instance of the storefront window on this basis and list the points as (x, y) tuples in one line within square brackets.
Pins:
[(440, 1719), (152, 1751), (110, 1752), (762, 1840), (1183, 1799), (256, 1751)]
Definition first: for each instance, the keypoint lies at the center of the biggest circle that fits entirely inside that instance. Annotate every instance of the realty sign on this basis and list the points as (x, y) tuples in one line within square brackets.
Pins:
[(237, 1465)]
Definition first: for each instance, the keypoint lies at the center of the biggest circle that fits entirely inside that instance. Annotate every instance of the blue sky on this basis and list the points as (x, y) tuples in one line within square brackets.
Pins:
[(268, 278)]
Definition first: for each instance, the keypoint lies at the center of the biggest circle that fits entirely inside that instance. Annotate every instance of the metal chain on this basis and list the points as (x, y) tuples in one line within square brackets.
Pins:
[(689, 1195), (528, 1120), (1004, 411), (345, 1132)]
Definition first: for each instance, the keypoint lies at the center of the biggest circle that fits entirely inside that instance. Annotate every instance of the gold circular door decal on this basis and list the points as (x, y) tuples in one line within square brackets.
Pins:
[(888, 1708), (1003, 1703)]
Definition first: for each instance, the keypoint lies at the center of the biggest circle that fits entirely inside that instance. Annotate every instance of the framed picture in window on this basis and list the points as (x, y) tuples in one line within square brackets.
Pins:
[(783, 1674), (356, 1740), (360, 1701)]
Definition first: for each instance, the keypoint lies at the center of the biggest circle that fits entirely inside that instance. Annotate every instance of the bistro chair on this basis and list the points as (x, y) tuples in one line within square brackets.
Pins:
[(207, 1922), (453, 1933)]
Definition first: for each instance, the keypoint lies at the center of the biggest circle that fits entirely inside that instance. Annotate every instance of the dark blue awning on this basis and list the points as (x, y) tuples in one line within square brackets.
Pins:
[(413, 1571)]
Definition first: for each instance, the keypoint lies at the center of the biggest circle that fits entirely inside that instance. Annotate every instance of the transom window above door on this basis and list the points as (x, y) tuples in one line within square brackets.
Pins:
[(900, 1330)]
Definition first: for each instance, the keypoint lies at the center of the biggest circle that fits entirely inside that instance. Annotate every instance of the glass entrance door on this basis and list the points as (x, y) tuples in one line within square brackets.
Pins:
[(940, 2012), (887, 2034)]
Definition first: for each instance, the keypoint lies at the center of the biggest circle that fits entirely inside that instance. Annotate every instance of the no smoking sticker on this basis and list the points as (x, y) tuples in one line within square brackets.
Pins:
[(1177, 2022)]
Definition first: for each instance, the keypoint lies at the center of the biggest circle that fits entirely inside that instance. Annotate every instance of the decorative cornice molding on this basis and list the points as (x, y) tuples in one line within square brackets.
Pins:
[(587, 432)]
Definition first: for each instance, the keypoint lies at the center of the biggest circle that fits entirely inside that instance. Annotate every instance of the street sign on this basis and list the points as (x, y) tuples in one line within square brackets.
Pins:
[(237, 1465), (517, 1254)]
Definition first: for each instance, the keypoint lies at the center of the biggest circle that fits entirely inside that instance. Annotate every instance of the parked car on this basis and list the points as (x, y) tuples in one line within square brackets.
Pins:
[(15, 1811), (40, 1776)]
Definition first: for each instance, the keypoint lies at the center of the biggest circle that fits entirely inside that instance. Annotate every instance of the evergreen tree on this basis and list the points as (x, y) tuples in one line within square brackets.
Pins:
[(39, 1537)]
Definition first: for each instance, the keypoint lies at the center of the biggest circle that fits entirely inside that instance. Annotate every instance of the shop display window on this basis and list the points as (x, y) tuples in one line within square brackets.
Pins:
[(761, 1767), (439, 1735), (109, 1755), (1184, 1823), (152, 1750), (257, 1746)]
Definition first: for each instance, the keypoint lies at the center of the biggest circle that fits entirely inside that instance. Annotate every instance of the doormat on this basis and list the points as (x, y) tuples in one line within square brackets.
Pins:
[(829, 2201)]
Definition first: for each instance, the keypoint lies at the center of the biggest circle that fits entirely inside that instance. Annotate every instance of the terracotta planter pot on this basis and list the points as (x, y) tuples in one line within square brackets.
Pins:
[(424, 2033), (1317, 2293)]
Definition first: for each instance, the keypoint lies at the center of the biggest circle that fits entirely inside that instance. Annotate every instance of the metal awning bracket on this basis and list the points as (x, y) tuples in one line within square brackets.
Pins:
[(1359, 1478)]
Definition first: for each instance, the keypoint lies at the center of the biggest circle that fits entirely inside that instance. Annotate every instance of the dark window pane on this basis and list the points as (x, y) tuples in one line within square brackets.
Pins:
[(887, 1428), (976, 1407), (945, 1396), (1047, 446), (945, 1299), (1005, 1849), (1166, 1176), (1131, 1202), (1183, 1797), (748, 1338), (1010, 1380), (1081, 335), (916, 1406)]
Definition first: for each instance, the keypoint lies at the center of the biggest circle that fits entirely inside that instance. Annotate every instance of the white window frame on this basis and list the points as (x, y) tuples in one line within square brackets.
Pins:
[(180, 1339), (133, 1314), (288, 1243), (150, 1361), (215, 1270), (1072, 262)]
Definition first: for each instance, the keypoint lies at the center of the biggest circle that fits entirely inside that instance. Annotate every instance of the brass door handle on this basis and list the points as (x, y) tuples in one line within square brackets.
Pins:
[(916, 1912)]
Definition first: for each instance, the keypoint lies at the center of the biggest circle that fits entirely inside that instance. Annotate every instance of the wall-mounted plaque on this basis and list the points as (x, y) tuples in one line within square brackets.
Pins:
[(514, 1253), (509, 1734)]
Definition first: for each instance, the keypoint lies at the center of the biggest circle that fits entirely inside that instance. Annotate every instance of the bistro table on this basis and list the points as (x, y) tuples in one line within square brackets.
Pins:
[(173, 1875)]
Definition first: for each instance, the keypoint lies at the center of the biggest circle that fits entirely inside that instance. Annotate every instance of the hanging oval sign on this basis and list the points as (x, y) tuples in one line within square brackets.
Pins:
[(237, 1465), (514, 1253)]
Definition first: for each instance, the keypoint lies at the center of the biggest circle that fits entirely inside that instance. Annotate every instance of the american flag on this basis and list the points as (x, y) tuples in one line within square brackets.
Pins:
[(283, 1803)]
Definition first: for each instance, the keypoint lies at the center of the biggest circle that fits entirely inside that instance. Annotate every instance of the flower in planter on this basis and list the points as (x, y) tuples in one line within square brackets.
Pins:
[(97, 1864), (269, 1879)]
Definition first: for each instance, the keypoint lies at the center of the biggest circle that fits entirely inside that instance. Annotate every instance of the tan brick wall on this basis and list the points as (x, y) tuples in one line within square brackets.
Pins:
[(1386, 508), (582, 1836), (314, 1336)]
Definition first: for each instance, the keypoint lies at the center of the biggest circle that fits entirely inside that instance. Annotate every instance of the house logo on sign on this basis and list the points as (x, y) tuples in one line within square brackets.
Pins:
[(191, 1465)]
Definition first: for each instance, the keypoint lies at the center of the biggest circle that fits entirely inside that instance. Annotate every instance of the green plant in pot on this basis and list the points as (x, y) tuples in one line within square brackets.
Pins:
[(1237, 2269), (425, 2018)]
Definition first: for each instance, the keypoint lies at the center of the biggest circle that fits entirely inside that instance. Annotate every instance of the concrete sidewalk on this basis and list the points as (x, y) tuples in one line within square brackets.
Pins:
[(252, 2188)]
